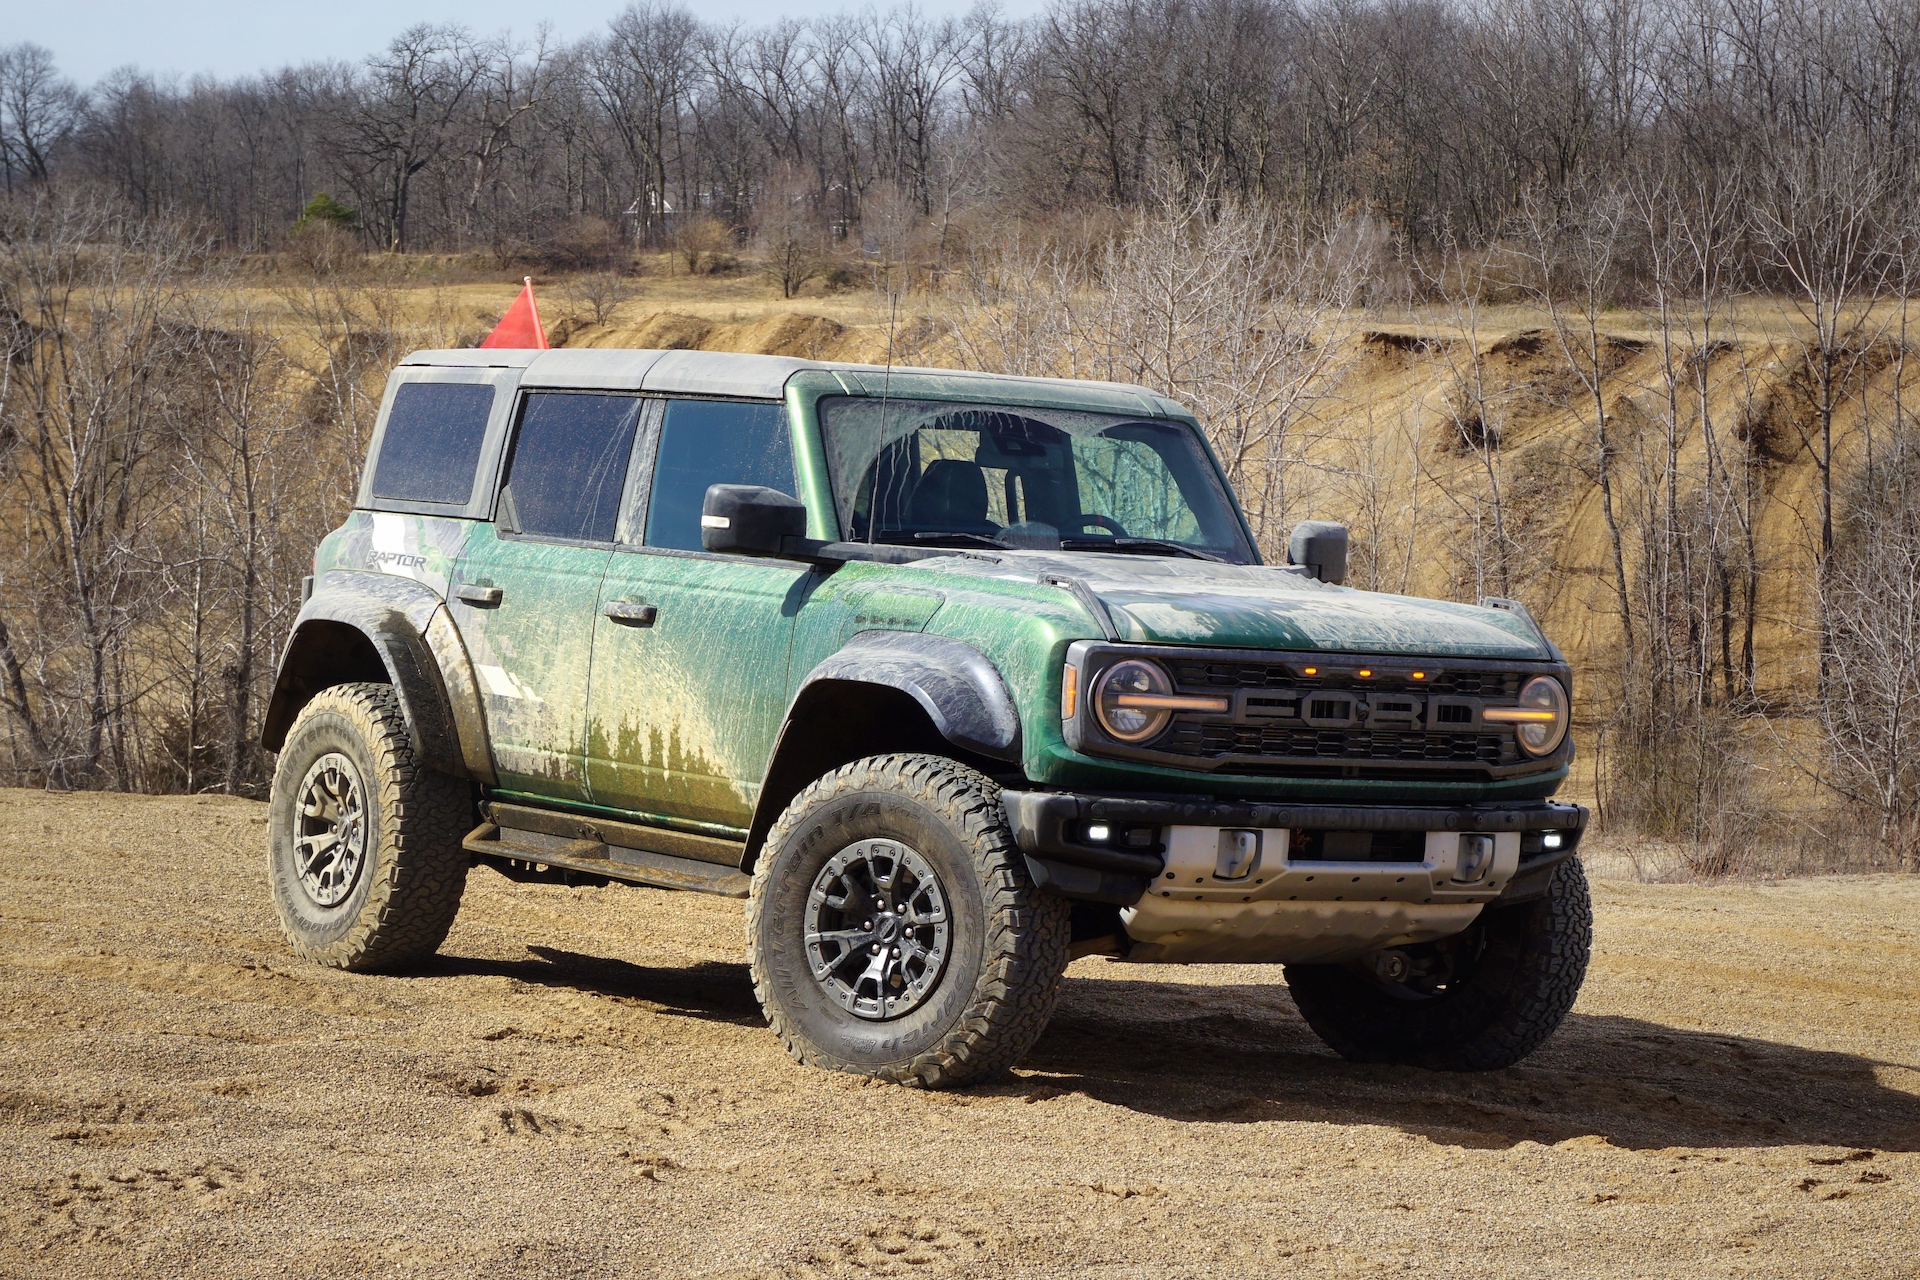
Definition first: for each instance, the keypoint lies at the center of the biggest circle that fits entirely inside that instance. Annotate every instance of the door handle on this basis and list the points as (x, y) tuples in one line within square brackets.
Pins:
[(631, 612), (480, 597)]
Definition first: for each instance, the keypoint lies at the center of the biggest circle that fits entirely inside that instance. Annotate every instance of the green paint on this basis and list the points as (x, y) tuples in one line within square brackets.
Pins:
[(532, 654), (685, 711), (674, 724)]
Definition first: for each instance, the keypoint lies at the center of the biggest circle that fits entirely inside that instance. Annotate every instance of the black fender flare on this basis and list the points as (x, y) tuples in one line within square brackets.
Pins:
[(960, 691), (958, 686), (354, 618)]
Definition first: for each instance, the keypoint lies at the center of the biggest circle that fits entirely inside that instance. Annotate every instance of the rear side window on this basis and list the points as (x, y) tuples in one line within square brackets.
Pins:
[(432, 442), (705, 442), (570, 463)]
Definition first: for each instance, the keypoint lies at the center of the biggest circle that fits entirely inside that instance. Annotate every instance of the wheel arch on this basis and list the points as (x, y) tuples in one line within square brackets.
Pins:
[(385, 629), (878, 698)]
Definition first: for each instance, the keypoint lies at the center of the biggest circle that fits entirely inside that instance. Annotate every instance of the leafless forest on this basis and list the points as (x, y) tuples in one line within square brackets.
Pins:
[(1601, 304)]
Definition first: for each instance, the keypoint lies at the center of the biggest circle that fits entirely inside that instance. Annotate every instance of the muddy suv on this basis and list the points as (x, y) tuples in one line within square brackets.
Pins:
[(952, 678)]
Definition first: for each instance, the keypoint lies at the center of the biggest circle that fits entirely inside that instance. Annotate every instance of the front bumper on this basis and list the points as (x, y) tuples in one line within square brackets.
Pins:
[(1313, 883)]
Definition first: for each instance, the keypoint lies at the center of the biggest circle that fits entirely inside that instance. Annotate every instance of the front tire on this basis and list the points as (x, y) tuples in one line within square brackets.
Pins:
[(364, 852), (1476, 1002), (893, 929)]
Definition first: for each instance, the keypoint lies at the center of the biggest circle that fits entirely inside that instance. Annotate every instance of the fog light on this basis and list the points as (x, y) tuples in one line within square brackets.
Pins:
[(1551, 840), (1098, 832)]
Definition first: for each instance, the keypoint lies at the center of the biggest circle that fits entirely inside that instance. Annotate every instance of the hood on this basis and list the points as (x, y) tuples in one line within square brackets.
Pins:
[(1162, 600)]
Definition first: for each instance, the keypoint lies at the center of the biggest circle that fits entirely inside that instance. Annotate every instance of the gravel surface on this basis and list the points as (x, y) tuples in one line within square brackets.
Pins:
[(581, 1085)]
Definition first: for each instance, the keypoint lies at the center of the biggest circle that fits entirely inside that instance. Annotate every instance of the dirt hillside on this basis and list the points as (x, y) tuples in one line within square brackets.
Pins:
[(581, 1086)]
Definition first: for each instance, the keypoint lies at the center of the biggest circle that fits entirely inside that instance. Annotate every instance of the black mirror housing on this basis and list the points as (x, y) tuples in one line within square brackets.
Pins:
[(750, 520), (1320, 546)]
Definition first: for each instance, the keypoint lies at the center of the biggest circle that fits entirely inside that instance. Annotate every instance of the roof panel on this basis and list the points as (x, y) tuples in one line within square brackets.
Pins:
[(588, 368), (725, 373)]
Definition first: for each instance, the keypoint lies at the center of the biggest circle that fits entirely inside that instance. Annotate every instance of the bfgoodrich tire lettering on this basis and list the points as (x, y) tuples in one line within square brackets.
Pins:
[(1008, 940), (401, 898), (1522, 967)]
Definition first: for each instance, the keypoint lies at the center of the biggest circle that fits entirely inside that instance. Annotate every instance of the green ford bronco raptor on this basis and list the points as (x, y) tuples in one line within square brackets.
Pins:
[(951, 677)]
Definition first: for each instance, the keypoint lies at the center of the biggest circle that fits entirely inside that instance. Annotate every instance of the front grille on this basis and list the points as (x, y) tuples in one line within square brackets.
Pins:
[(1213, 741), (1293, 714), (1319, 714), (1198, 675)]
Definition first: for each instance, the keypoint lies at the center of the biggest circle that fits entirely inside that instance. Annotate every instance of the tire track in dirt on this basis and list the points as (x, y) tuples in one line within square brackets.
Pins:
[(580, 1085)]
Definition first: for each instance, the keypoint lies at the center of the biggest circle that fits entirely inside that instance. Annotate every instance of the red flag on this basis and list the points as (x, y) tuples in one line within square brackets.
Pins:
[(520, 327)]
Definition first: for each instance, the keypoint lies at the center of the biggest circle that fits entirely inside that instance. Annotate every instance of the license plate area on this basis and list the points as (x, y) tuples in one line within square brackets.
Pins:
[(1357, 846), (1226, 864)]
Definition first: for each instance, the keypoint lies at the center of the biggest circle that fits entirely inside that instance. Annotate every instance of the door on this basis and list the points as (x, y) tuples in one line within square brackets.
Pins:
[(526, 591), (690, 649)]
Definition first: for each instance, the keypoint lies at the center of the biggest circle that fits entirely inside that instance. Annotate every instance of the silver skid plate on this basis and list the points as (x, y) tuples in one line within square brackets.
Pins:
[(1217, 903)]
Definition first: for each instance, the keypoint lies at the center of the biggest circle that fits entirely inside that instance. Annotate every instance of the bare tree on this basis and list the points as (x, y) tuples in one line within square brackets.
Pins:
[(81, 405), (642, 75), (1870, 708), (787, 233), (38, 110), (408, 116)]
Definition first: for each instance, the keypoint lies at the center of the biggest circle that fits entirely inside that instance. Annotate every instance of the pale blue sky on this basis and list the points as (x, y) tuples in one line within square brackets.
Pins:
[(89, 38)]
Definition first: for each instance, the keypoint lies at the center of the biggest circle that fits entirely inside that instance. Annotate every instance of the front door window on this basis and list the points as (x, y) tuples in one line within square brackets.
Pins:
[(706, 442)]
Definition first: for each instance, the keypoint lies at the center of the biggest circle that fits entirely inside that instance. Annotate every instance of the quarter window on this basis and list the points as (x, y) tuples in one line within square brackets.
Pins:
[(708, 442), (432, 442), (570, 464)]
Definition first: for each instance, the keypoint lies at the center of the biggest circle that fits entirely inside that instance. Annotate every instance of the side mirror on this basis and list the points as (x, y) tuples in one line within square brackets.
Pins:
[(748, 520), (1320, 546)]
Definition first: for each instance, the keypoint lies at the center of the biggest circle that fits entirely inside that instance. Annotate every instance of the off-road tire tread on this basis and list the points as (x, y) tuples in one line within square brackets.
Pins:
[(1552, 967), (422, 868), (1028, 932)]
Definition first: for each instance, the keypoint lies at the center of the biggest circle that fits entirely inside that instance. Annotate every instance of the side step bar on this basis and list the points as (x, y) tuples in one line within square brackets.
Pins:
[(540, 844)]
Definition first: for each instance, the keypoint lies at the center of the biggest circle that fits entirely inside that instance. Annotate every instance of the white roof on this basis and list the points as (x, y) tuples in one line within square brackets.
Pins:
[(720, 372)]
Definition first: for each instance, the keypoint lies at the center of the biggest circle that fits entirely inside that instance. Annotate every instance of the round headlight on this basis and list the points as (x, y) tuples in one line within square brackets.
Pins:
[(1539, 737), (1119, 685)]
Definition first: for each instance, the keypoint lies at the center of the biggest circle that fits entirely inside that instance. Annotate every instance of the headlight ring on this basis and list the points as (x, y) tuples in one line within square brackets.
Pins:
[(1119, 695), (1540, 719)]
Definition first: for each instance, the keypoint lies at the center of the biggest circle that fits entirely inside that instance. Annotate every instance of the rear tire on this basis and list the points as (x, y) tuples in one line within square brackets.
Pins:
[(364, 852), (1513, 975), (905, 856)]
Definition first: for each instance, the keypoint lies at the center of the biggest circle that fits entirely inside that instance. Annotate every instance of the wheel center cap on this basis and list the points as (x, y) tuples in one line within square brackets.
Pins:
[(888, 929)]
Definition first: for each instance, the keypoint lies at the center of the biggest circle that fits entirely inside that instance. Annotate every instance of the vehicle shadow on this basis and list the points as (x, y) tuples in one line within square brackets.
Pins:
[(1240, 1053), (1227, 1054), (711, 991)]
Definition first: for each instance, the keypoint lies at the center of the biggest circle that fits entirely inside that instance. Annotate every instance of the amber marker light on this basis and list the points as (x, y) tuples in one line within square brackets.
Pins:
[(1365, 672), (1310, 671), (1419, 675), (1069, 692)]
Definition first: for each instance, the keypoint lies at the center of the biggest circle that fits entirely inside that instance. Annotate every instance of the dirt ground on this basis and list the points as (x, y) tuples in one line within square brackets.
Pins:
[(581, 1086)]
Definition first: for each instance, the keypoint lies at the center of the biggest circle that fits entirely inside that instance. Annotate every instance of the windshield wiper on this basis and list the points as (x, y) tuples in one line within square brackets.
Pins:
[(1147, 546), (952, 537)]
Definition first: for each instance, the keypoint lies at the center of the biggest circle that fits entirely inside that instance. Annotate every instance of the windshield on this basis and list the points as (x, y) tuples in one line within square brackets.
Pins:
[(935, 472)]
